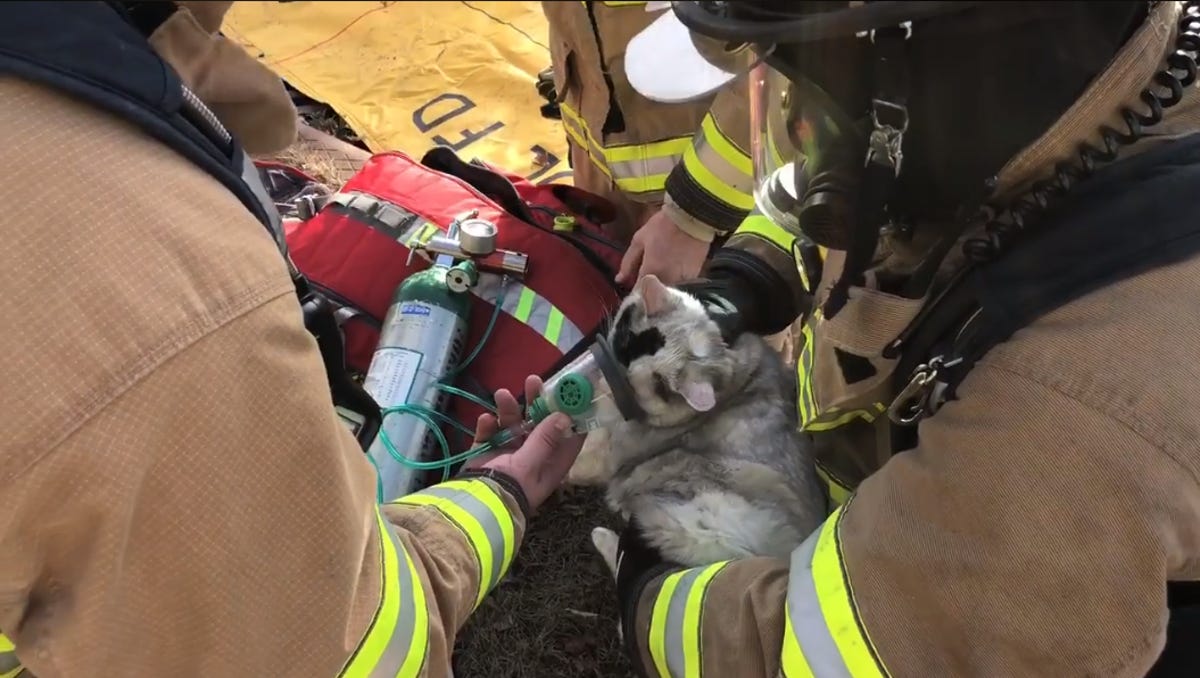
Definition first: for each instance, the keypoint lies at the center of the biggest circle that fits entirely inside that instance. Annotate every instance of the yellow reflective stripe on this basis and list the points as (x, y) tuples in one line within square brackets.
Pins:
[(758, 225), (838, 493), (531, 309), (554, 324), (718, 166), (837, 602), (692, 628), (635, 168), (479, 513), (643, 184), (719, 142), (812, 418), (792, 662), (825, 637), (703, 175), (658, 623), (396, 643), (675, 621), (834, 419), (414, 660), (524, 304), (10, 665), (675, 634), (576, 129), (805, 400), (668, 148)]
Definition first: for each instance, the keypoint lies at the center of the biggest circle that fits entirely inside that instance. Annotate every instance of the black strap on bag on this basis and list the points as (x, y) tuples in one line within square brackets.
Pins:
[(98, 52)]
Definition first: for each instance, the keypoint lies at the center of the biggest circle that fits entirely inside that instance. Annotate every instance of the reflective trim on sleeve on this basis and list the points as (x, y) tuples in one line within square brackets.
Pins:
[(719, 167), (823, 634), (759, 225), (675, 621), (634, 168), (479, 513), (10, 666), (397, 642)]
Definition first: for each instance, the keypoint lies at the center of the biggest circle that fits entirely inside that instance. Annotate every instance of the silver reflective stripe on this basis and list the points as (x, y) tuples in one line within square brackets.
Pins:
[(808, 622), (488, 522), (721, 168), (673, 632), (642, 176), (532, 309), (8, 662), (400, 643), (645, 167)]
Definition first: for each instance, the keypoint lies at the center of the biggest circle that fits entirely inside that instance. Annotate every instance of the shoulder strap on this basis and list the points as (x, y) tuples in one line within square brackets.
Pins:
[(1131, 217), (98, 52)]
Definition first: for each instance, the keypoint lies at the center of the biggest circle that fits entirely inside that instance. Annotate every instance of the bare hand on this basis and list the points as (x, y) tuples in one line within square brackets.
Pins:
[(543, 459), (659, 247)]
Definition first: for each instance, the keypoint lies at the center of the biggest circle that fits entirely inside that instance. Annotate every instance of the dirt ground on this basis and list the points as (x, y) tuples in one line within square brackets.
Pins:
[(554, 615)]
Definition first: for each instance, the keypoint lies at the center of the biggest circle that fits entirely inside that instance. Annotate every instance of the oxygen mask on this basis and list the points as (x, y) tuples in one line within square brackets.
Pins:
[(592, 390)]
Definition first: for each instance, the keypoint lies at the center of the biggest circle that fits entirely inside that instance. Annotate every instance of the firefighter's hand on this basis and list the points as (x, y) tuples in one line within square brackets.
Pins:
[(661, 248), (543, 458)]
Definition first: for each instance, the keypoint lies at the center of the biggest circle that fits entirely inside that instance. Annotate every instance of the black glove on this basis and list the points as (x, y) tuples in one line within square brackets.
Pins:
[(546, 90), (728, 300), (638, 564), (743, 293)]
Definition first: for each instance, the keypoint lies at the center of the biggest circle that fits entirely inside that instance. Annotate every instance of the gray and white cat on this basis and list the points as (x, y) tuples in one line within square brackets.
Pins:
[(717, 469)]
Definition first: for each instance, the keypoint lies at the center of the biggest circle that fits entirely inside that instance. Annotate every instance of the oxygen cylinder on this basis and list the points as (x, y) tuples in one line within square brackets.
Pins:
[(422, 338)]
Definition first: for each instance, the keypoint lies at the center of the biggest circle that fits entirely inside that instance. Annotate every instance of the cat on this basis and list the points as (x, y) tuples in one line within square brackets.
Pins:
[(717, 469)]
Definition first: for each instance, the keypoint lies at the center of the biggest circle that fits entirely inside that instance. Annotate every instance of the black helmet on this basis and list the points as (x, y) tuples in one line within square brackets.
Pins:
[(896, 111)]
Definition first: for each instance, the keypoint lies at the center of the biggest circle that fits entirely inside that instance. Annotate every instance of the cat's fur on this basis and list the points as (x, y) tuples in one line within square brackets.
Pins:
[(717, 469)]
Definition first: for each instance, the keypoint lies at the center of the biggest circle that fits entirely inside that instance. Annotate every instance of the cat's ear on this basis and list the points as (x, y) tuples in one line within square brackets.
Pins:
[(698, 393), (655, 296)]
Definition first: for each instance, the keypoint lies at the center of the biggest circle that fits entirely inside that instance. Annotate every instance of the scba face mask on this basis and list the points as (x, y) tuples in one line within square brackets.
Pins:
[(804, 150), (828, 88)]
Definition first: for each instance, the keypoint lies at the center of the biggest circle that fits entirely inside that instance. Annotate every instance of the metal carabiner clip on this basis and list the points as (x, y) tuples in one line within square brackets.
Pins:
[(910, 404)]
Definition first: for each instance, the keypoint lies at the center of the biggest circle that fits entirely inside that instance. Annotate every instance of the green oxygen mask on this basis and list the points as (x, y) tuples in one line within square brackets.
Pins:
[(593, 390)]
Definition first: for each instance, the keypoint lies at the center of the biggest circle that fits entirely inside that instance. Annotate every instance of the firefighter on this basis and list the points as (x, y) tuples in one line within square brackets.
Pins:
[(178, 494), (678, 173), (999, 370)]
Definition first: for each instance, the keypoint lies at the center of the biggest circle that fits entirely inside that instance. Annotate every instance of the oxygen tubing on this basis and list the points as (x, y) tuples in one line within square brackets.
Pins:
[(431, 418)]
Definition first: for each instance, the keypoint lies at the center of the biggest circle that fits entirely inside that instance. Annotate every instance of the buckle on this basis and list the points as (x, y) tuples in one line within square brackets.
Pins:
[(916, 400), (348, 395)]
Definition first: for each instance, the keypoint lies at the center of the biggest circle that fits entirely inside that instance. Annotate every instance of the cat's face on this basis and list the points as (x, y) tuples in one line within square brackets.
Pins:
[(672, 351)]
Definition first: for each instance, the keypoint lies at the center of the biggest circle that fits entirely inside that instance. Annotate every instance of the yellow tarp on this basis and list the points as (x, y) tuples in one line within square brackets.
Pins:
[(410, 75)]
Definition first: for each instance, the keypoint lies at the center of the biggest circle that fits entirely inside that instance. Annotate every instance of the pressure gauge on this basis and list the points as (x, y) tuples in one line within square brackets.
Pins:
[(477, 237)]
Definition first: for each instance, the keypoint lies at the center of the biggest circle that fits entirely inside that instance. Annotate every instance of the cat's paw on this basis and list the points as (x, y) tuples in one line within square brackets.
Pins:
[(591, 466), (606, 542)]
